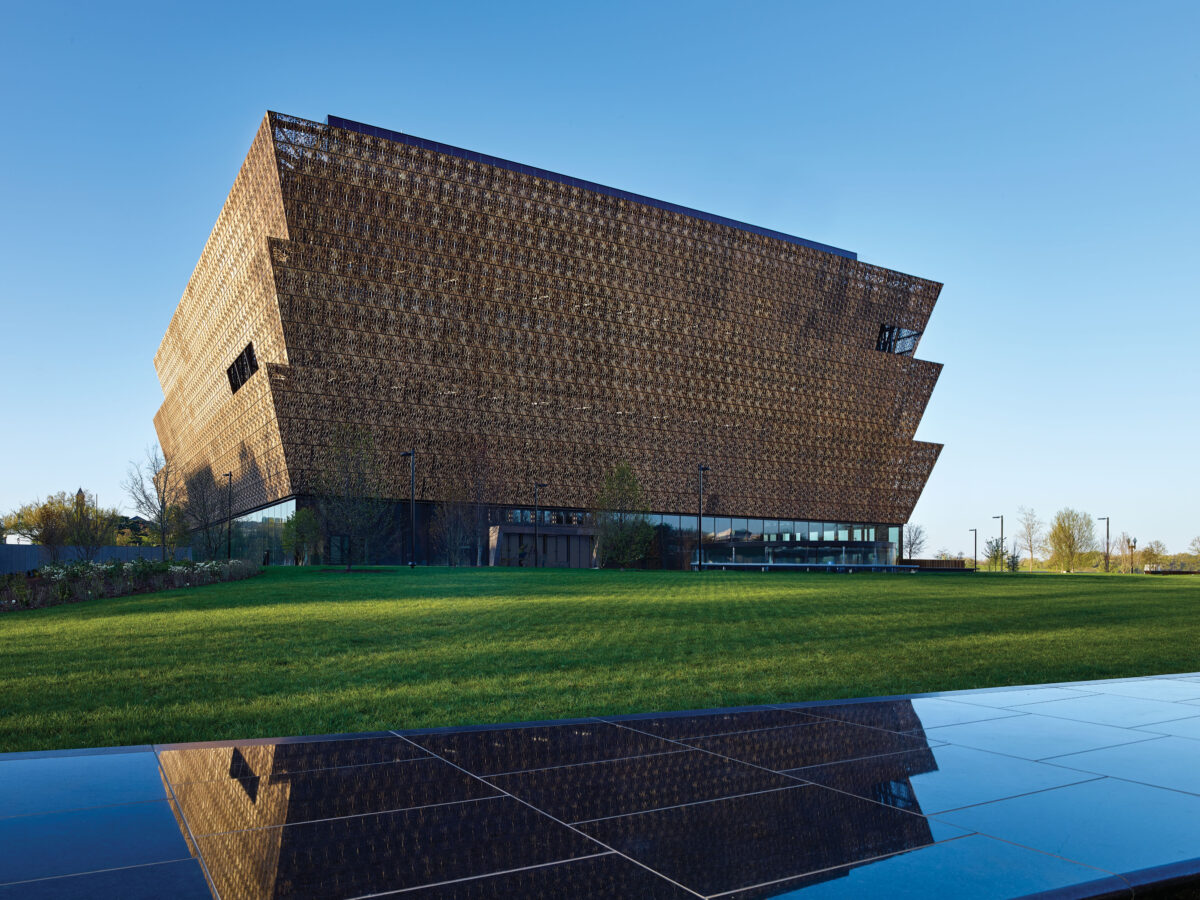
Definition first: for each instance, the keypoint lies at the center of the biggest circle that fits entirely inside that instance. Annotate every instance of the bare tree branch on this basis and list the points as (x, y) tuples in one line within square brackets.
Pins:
[(204, 509), (1029, 532), (154, 490), (914, 540)]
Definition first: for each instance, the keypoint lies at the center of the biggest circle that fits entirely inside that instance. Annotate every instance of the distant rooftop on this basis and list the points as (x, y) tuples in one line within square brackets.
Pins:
[(401, 137)]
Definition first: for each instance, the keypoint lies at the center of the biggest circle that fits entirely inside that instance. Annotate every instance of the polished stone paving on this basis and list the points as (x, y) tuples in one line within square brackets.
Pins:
[(1086, 789)]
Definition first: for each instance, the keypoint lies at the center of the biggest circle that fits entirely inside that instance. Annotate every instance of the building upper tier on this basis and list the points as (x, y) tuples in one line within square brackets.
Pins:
[(486, 159)]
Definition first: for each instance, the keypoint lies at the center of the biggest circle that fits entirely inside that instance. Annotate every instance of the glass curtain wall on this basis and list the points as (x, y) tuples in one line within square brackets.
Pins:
[(258, 536)]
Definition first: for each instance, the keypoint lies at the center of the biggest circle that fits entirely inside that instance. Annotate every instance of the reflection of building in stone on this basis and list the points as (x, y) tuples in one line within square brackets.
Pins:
[(238, 800), (231, 789), (886, 779)]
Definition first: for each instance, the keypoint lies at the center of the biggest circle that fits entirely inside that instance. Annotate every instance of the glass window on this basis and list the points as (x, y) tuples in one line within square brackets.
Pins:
[(723, 529), (857, 534), (829, 531), (710, 528), (754, 528), (843, 532), (737, 529), (771, 529), (894, 534), (242, 368), (896, 339), (258, 535)]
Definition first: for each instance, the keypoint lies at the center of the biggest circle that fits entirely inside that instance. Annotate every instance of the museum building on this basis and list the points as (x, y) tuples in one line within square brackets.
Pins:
[(522, 332)]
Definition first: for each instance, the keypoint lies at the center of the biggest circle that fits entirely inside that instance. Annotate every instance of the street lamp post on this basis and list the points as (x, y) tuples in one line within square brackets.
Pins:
[(1132, 552), (537, 555), (1105, 519), (229, 518), (412, 505), (1002, 553), (700, 470), (975, 557)]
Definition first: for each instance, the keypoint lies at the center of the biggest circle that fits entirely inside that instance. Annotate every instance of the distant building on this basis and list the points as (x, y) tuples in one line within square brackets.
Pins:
[(518, 327)]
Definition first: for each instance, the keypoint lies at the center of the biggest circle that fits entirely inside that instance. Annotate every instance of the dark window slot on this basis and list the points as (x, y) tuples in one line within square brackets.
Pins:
[(894, 339), (243, 367)]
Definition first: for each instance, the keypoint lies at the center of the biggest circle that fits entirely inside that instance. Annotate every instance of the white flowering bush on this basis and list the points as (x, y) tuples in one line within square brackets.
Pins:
[(85, 580)]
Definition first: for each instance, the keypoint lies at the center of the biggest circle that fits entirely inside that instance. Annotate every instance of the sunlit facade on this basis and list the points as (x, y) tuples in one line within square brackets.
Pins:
[(518, 327)]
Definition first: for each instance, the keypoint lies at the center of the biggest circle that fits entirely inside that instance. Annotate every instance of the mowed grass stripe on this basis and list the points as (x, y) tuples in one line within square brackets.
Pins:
[(307, 651)]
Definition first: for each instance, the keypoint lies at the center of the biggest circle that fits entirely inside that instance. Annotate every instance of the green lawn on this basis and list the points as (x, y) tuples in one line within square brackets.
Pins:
[(304, 651)]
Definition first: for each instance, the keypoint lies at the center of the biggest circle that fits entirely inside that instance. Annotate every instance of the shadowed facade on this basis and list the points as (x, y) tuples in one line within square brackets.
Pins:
[(467, 306)]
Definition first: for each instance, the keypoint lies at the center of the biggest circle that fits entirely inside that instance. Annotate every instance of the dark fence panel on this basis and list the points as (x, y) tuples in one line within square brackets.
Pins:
[(23, 557)]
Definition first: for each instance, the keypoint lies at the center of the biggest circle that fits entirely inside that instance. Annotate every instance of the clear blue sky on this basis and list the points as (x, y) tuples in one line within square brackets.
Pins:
[(1040, 159)]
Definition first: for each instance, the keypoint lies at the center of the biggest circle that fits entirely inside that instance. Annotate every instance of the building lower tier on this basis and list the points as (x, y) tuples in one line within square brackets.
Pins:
[(463, 534)]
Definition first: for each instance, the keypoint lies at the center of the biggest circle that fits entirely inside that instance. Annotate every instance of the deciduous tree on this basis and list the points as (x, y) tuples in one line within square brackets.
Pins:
[(205, 509), (994, 553), (1072, 534), (1153, 554), (155, 490), (350, 490), (914, 540), (452, 529), (300, 533), (1029, 533), (623, 531), (91, 527), (1127, 547), (45, 522)]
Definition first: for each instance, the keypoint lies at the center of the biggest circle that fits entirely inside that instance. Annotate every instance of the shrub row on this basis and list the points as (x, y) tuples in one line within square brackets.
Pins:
[(75, 582)]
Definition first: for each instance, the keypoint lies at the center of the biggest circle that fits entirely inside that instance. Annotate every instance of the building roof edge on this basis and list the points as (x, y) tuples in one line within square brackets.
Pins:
[(584, 184)]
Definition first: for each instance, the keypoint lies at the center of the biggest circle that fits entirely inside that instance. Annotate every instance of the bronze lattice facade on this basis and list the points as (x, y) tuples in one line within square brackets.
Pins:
[(460, 304)]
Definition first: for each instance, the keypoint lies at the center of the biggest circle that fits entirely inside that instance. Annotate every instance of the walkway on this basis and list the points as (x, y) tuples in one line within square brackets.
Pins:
[(1075, 790)]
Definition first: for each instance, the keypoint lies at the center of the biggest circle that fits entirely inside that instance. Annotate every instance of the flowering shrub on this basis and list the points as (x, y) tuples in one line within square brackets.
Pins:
[(81, 580), (14, 589)]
